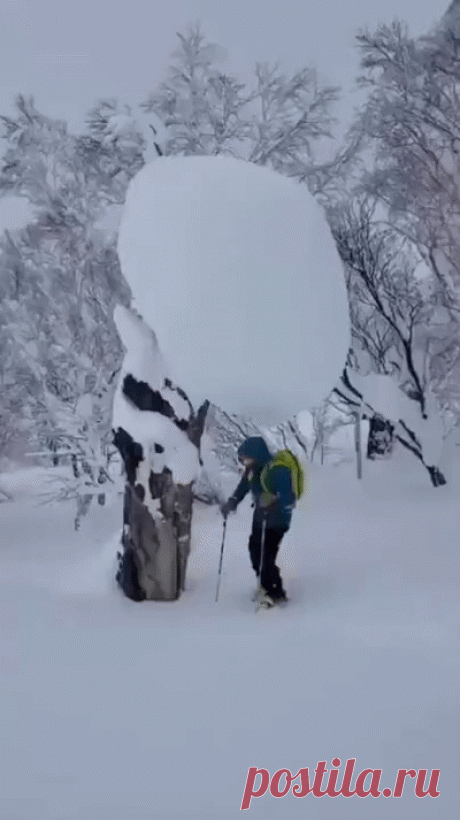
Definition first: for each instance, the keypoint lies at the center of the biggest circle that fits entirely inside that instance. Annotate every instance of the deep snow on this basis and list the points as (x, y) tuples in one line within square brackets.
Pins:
[(119, 711)]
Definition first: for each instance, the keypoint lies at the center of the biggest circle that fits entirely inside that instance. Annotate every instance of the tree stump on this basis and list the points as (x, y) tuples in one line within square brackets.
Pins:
[(157, 517)]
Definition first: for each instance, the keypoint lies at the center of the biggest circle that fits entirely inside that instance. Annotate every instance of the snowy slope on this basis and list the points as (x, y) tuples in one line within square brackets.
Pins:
[(154, 711)]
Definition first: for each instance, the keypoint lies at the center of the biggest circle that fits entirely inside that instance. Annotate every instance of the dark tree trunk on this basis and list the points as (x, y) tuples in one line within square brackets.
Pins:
[(157, 516), (408, 438), (437, 478), (380, 438)]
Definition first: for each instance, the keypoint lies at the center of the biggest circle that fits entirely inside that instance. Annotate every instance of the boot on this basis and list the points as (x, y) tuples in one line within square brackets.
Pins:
[(263, 599)]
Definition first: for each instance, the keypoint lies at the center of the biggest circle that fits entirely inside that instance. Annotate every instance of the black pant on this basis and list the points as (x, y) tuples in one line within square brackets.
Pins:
[(270, 577)]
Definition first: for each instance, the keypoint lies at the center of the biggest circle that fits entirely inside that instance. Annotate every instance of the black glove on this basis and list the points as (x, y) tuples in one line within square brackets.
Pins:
[(228, 507)]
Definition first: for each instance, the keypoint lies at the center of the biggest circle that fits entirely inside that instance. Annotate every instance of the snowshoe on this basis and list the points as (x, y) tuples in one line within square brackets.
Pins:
[(263, 600)]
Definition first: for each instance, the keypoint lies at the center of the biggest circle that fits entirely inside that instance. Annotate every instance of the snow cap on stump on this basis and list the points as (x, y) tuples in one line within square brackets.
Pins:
[(234, 268)]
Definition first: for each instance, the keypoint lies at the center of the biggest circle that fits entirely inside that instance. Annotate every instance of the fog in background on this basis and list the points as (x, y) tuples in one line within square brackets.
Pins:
[(69, 54)]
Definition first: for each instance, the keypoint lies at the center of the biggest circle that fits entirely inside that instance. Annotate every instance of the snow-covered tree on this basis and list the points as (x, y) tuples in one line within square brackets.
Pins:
[(111, 149), (379, 396), (60, 282), (158, 433), (275, 122), (395, 320), (200, 105), (118, 141), (411, 124), (387, 303), (394, 209)]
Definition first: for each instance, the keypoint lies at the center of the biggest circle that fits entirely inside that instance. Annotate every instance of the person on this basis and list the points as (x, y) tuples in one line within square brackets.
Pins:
[(272, 514)]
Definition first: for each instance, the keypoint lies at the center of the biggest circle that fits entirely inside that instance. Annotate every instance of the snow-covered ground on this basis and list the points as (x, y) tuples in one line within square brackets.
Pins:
[(113, 710)]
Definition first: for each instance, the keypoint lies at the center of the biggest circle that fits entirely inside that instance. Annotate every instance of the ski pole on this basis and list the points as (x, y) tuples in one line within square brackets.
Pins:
[(262, 546), (221, 558)]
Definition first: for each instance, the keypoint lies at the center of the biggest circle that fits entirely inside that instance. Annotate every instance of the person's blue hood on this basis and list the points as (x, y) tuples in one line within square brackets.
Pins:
[(256, 448)]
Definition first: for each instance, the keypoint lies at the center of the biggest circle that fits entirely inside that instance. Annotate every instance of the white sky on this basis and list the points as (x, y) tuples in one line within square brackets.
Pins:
[(68, 54)]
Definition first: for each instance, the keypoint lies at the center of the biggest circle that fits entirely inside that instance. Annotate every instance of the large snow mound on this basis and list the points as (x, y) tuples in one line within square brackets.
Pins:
[(234, 268)]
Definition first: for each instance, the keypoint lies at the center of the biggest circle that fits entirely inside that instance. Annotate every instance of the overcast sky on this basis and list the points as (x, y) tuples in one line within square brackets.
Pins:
[(68, 54)]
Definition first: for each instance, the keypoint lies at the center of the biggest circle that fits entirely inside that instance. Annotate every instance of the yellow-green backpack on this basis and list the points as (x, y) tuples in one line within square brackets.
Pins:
[(284, 458)]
